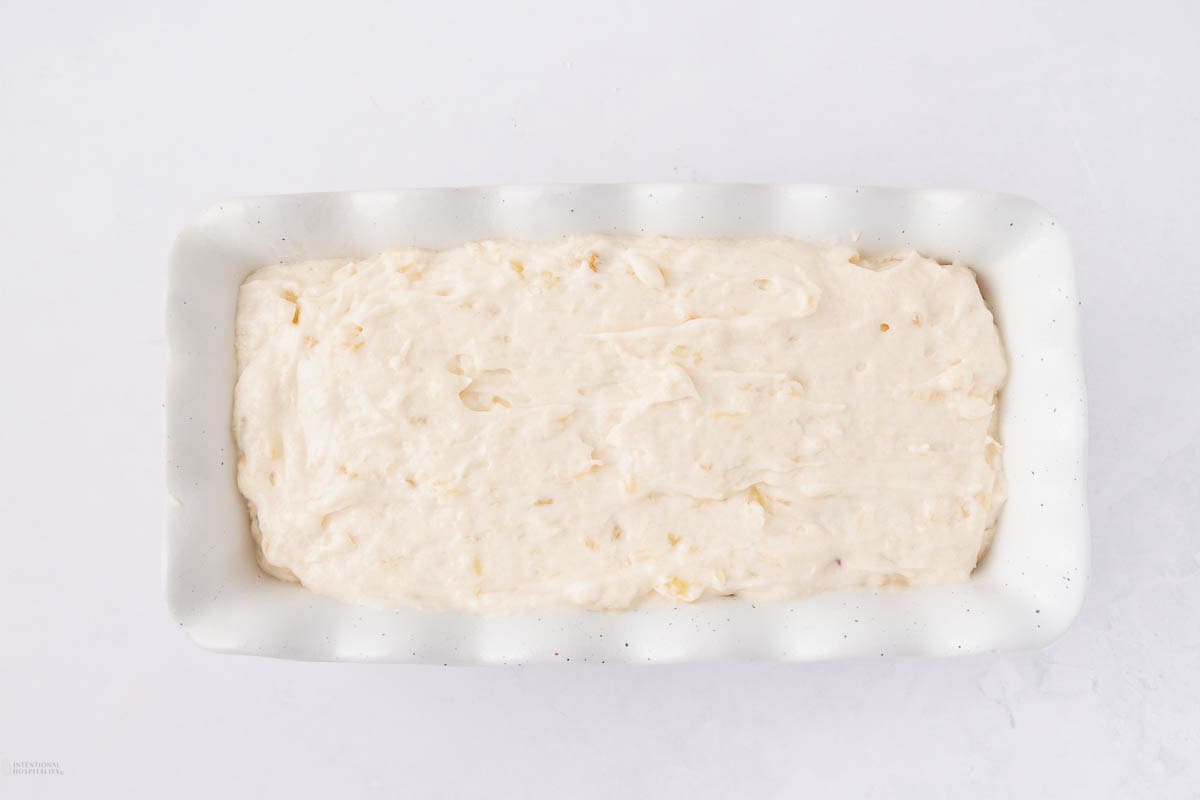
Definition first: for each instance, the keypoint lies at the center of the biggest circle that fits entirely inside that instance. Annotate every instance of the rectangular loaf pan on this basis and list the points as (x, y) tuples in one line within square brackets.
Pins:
[(1025, 593)]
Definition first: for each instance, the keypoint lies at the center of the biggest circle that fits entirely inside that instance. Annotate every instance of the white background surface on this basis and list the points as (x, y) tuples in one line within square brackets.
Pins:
[(119, 122)]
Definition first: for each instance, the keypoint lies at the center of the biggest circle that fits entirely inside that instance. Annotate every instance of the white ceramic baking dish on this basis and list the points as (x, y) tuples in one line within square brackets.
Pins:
[(1025, 594)]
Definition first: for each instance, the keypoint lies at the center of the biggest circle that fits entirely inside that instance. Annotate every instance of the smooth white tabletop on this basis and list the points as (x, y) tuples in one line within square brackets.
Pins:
[(122, 121)]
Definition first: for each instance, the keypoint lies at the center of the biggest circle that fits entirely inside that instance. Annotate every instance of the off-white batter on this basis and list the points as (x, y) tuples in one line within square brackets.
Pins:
[(509, 425)]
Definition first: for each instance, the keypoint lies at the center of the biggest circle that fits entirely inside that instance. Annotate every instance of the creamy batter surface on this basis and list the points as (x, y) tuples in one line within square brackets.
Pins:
[(599, 420)]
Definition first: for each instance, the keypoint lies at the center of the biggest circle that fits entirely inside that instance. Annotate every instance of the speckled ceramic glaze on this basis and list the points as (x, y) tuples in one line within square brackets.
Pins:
[(1027, 591)]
